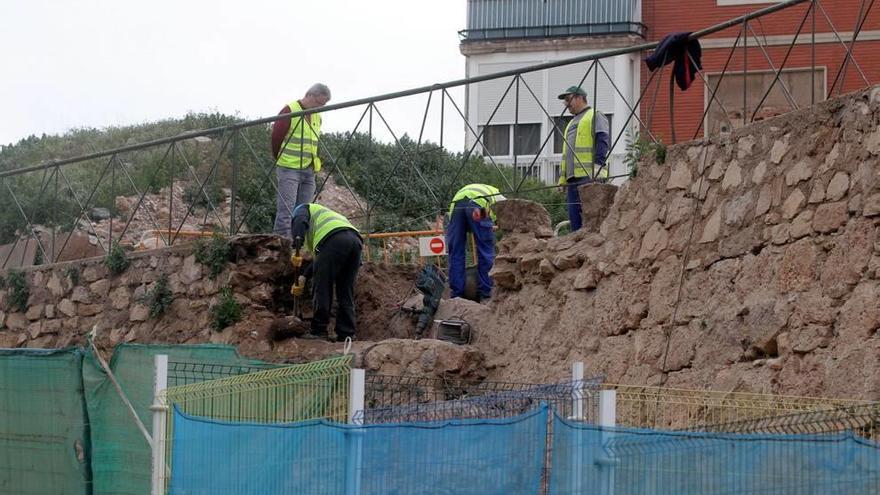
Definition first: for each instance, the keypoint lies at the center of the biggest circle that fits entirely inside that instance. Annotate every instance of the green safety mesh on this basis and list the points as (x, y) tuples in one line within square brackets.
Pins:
[(120, 454), (44, 435)]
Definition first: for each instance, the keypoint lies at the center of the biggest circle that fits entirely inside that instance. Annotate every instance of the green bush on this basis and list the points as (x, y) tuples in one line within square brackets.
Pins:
[(407, 185), (159, 297), (116, 261), (226, 312), (19, 292), (637, 149), (213, 254)]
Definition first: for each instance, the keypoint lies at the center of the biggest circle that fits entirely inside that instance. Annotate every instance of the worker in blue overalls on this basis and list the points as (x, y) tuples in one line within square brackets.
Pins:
[(471, 211)]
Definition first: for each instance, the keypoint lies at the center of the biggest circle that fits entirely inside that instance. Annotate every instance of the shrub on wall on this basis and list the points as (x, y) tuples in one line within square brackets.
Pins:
[(159, 297), (226, 312), (116, 261), (19, 292), (214, 254)]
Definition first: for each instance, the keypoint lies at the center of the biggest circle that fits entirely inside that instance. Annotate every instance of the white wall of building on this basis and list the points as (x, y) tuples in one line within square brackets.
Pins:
[(544, 86)]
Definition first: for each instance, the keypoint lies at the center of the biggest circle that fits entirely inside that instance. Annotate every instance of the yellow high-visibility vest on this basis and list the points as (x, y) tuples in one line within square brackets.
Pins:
[(300, 147), (481, 194), (322, 221), (584, 142)]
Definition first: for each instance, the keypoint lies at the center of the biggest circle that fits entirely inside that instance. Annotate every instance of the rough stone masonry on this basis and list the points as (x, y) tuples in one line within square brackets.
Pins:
[(747, 262), (772, 234)]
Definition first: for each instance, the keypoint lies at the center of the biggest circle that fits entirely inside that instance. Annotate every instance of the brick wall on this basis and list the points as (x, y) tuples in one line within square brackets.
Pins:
[(667, 16)]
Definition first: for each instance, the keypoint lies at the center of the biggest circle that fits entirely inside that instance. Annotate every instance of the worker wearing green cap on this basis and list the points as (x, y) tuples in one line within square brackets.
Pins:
[(584, 149)]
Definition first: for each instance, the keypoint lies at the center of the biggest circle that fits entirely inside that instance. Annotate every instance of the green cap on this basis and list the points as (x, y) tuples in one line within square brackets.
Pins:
[(572, 90)]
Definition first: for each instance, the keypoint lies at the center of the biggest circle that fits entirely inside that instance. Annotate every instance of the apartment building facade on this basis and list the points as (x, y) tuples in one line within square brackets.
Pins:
[(518, 129), (519, 123)]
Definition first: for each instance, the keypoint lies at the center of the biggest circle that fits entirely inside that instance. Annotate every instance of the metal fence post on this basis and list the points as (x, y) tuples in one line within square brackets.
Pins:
[(577, 394), (160, 410), (355, 436), (608, 408), (577, 414), (607, 420)]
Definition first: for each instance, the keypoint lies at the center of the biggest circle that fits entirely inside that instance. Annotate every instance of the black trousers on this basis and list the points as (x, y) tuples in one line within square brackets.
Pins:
[(336, 265)]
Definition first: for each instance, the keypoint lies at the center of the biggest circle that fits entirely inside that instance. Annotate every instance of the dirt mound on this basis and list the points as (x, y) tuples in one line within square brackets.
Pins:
[(523, 216)]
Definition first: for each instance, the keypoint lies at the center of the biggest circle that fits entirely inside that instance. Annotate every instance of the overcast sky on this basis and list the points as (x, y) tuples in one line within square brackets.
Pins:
[(98, 63)]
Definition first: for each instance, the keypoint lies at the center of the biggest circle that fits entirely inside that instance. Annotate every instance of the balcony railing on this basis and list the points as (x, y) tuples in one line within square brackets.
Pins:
[(515, 19)]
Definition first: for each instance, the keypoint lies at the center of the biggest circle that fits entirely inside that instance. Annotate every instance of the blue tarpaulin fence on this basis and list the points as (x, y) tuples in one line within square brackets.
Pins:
[(592, 459), (507, 456), (475, 456)]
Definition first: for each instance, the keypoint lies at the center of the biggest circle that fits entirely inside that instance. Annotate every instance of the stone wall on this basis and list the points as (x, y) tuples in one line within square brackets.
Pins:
[(745, 262), (68, 300)]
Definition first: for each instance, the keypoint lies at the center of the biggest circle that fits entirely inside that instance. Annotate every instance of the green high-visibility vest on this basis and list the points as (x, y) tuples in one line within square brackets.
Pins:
[(582, 165), (481, 194), (322, 221), (300, 148)]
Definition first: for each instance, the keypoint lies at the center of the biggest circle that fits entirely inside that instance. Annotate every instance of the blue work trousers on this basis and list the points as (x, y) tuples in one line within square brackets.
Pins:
[(460, 223), (574, 201)]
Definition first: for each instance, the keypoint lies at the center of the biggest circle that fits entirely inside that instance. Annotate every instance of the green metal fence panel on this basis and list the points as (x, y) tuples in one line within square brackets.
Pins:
[(298, 392), (44, 434), (120, 453)]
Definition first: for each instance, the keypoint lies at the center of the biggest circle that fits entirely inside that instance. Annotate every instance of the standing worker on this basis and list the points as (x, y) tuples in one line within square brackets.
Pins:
[(295, 148), (585, 146), (336, 246), (471, 211)]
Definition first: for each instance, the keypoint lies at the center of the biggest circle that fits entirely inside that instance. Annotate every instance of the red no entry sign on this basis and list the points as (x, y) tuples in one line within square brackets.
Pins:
[(432, 246)]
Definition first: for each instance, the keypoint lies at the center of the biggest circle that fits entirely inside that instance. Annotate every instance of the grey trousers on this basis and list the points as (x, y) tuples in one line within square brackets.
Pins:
[(295, 187)]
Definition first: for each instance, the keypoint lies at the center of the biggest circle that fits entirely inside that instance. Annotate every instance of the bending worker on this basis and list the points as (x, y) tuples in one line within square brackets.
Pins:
[(583, 150), (471, 211), (336, 246)]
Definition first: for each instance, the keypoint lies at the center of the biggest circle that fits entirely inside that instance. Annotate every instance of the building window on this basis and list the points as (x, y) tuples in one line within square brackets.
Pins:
[(561, 122), (726, 109), (527, 139), (496, 140)]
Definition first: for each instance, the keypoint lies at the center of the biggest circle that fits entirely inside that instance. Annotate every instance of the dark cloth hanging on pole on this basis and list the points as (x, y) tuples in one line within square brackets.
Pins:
[(675, 48)]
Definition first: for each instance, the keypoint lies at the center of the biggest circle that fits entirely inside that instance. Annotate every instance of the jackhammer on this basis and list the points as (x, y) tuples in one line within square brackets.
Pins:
[(431, 284)]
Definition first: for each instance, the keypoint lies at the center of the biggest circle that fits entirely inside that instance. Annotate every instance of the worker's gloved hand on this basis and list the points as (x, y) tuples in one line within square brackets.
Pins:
[(299, 287), (296, 261)]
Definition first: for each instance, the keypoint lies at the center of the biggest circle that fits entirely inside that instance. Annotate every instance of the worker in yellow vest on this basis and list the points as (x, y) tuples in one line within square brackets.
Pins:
[(471, 211), (584, 149), (295, 148), (336, 246)]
